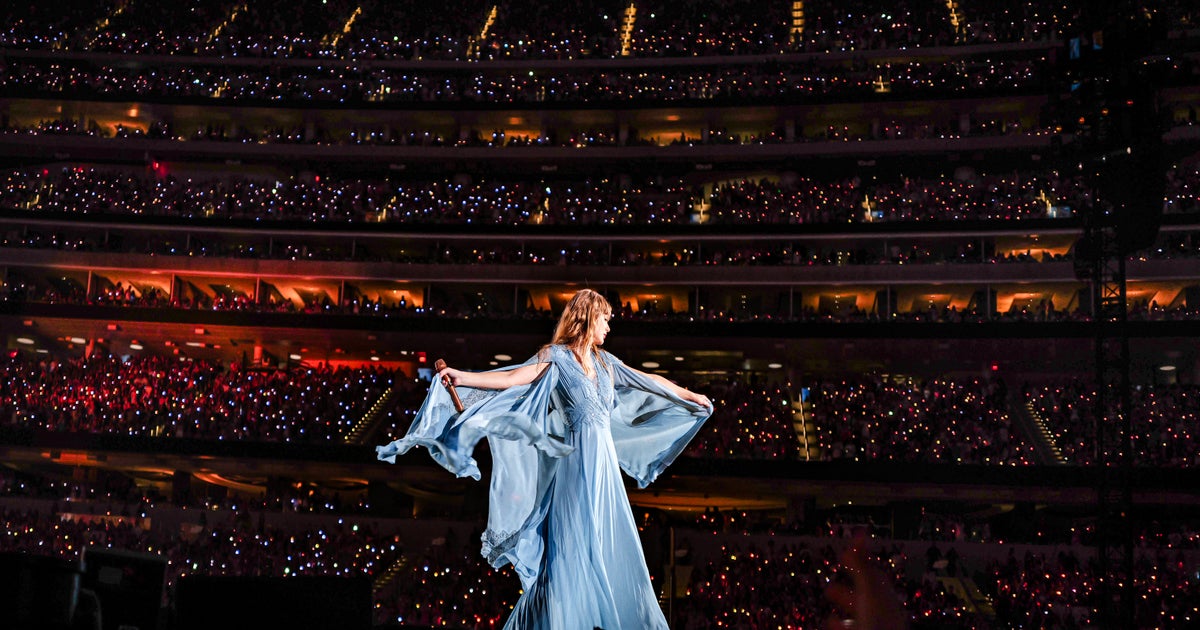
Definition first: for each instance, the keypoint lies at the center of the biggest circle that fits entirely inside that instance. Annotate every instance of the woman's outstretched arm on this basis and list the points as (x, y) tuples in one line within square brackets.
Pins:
[(682, 392), (492, 380)]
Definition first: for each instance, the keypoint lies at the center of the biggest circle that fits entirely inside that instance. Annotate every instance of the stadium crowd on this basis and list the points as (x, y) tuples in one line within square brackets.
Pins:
[(470, 30), (167, 396), (964, 421), (1163, 421), (789, 199), (737, 568)]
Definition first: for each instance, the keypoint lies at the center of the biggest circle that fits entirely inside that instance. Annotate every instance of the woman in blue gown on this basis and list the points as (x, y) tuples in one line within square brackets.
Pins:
[(561, 427)]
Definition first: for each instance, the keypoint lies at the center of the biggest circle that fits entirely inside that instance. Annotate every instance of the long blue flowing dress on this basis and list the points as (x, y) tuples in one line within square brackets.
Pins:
[(558, 511)]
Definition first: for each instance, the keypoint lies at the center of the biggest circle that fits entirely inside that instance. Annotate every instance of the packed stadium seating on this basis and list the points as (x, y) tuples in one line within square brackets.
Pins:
[(234, 236)]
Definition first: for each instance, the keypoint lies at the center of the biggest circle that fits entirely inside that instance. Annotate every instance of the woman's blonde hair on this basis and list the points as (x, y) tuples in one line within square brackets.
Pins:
[(579, 317)]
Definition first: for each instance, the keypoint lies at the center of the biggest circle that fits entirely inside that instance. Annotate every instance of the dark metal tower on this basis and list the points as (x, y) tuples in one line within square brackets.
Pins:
[(1120, 151), (1113, 455)]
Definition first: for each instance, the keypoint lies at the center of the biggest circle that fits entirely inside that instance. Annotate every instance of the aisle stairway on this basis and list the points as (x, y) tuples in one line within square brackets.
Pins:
[(806, 431), (1035, 428), (627, 26), (968, 592), (386, 577), (488, 21), (982, 602), (371, 419)]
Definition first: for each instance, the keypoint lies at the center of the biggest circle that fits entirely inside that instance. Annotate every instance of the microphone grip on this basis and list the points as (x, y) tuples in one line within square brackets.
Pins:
[(440, 365)]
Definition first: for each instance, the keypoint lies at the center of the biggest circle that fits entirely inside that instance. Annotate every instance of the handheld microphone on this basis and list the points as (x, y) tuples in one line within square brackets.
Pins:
[(440, 365)]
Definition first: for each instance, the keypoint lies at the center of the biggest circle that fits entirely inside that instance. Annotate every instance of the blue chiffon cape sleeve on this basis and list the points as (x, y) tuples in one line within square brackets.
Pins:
[(516, 414), (650, 428), (650, 425)]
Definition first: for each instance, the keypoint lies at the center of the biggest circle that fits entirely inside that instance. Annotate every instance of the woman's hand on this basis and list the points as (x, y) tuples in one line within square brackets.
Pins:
[(448, 379), (449, 376), (699, 399)]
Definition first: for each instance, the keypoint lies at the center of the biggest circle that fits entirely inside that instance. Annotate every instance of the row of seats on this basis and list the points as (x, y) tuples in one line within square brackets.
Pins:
[(334, 85), (856, 419), (733, 581), (788, 199), (471, 29)]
